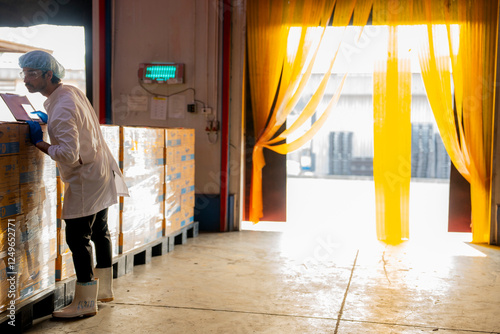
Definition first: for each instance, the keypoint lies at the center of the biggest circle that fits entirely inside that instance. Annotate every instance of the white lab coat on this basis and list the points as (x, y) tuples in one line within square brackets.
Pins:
[(75, 135)]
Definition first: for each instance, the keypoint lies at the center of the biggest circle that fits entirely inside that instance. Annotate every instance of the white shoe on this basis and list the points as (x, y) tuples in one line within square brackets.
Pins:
[(105, 276), (84, 302)]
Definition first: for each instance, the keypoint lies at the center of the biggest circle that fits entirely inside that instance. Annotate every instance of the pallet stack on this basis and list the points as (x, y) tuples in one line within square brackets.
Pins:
[(28, 200), (340, 152), (422, 151), (158, 166), (111, 134), (143, 161)]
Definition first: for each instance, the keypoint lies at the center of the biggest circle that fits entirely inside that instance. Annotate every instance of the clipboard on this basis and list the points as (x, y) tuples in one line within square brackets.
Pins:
[(19, 107)]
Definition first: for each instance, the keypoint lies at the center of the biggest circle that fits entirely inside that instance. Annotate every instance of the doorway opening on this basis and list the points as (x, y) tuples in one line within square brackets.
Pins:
[(66, 43), (330, 179)]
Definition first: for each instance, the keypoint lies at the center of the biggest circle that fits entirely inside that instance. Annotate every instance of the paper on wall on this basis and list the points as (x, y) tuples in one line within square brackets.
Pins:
[(159, 108), (137, 103), (177, 106)]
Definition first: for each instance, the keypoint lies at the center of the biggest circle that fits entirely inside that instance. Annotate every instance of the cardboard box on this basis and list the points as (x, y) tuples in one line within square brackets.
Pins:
[(9, 138), (173, 188), (25, 144), (173, 137), (64, 267), (173, 172), (140, 138), (9, 170), (41, 279), (30, 197), (187, 200), (4, 286), (172, 205), (188, 136), (170, 155), (187, 153), (10, 201), (187, 216), (111, 134), (187, 185), (114, 227), (174, 223), (188, 170)]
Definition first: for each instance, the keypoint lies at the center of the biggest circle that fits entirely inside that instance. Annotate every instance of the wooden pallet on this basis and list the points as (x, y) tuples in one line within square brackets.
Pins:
[(37, 306), (124, 263)]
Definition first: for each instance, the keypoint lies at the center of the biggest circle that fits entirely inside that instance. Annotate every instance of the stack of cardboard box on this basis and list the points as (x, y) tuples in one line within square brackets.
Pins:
[(143, 161), (158, 166), (111, 134), (28, 200), (179, 186)]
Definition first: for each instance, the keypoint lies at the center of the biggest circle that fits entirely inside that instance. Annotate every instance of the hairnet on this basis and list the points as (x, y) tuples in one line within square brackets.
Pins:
[(42, 60)]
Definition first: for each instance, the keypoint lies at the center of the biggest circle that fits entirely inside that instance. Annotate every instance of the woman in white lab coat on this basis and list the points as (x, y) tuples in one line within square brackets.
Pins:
[(92, 178)]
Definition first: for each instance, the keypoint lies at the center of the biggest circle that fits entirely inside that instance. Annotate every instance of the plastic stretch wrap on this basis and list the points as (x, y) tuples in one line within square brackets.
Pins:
[(28, 213), (64, 260), (179, 178), (111, 136), (4, 285), (143, 169)]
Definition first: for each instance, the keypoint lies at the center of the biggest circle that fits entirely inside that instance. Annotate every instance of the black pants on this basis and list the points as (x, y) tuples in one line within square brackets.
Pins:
[(79, 232)]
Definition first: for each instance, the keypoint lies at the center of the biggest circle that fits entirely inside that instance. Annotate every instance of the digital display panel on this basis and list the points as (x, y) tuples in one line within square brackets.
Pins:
[(170, 73)]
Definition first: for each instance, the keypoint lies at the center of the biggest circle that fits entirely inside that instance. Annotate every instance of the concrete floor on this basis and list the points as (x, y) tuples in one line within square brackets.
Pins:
[(308, 278)]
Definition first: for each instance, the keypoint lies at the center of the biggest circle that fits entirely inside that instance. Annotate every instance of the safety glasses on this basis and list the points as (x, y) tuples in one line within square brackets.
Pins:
[(31, 74)]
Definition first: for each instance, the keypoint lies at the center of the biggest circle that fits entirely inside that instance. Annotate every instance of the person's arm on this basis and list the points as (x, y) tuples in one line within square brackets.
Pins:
[(36, 138), (43, 146)]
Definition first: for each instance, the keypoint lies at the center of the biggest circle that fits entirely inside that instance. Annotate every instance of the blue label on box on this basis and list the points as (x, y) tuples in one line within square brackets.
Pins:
[(188, 189), (9, 148), (10, 210), (187, 157), (173, 142), (173, 177)]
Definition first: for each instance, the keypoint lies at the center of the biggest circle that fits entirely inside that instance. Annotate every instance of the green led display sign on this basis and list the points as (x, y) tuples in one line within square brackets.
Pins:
[(170, 73)]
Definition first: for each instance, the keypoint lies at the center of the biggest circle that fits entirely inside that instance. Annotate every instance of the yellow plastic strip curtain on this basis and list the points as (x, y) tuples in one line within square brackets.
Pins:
[(392, 12), (268, 26), (316, 126), (293, 80), (269, 69), (392, 143), (471, 40), (362, 12), (267, 39)]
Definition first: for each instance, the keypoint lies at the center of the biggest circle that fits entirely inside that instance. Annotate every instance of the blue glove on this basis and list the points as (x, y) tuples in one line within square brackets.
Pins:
[(43, 116), (36, 134)]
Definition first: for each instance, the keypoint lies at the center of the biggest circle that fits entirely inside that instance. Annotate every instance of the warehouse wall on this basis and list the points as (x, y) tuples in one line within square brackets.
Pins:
[(171, 31)]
